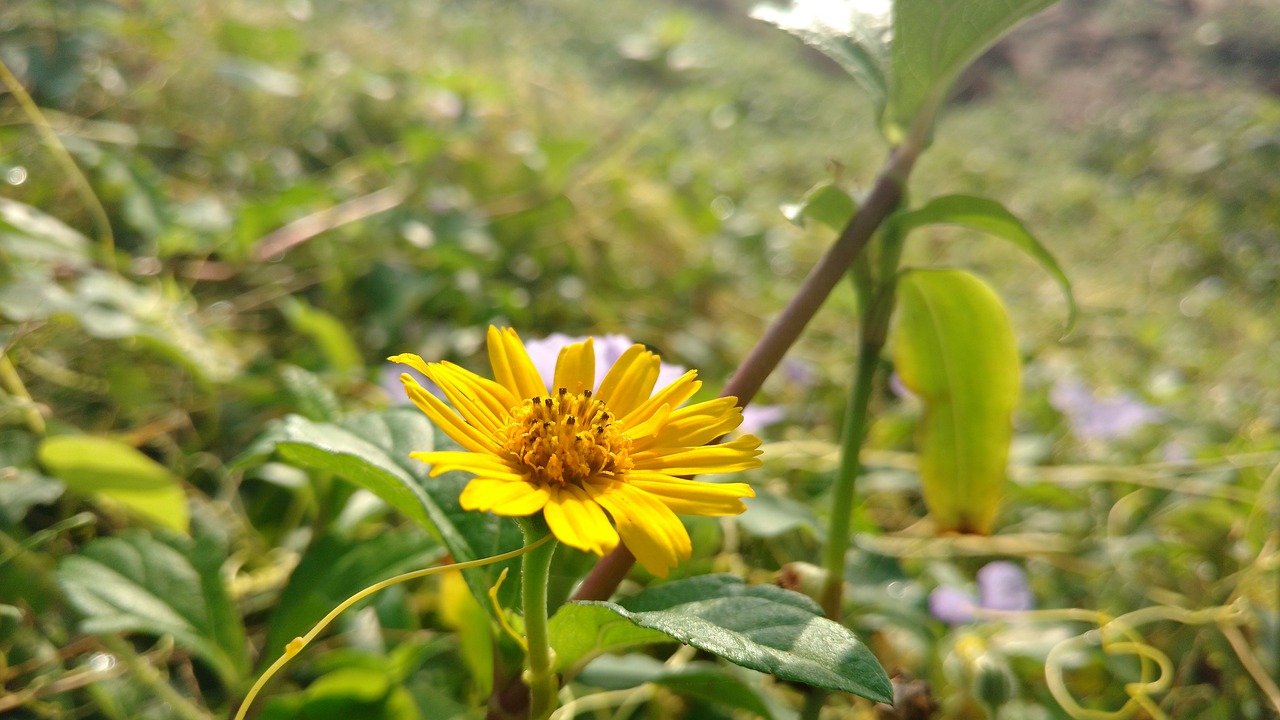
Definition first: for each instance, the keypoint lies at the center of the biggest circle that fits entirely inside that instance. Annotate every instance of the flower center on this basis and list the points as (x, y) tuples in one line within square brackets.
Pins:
[(565, 438)]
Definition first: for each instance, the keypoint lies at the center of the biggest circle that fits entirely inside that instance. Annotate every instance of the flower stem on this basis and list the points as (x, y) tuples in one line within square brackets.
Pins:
[(539, 672)]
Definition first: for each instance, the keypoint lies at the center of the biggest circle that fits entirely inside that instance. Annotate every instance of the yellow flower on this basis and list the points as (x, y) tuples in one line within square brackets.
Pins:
[(586, 450)]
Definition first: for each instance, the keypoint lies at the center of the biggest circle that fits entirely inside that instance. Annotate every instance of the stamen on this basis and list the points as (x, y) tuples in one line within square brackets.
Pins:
[(566, 439)]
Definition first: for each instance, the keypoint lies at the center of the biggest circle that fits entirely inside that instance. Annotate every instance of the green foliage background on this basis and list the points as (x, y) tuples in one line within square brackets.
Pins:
[(568, 166)]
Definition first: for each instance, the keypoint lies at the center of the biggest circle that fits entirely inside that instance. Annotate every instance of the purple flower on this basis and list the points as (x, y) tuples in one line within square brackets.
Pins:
[(1093, 418), (1002, 586)]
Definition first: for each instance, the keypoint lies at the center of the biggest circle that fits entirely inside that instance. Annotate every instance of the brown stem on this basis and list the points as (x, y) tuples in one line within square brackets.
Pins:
[(885, 195)]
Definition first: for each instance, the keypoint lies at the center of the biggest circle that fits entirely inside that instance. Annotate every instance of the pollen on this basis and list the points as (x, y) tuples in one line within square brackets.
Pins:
[(566, 438)]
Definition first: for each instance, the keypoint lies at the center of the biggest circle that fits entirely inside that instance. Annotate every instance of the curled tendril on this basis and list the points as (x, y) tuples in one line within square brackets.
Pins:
[(1119, 636)]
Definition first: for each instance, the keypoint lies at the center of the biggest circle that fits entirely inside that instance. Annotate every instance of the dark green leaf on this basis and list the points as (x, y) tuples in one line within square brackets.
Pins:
[(955, 349), (103, 468), (137, 583), (579, 632), (989, 216), (761, 627)]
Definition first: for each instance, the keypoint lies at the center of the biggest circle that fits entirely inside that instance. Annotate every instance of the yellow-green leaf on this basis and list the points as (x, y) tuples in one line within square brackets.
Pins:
[(111, 471), (955, 349)]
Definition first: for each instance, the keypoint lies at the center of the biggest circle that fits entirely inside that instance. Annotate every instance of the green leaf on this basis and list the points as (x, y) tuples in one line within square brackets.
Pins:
[(111, 470), (372, 451), (700, 680), (760, 627), (335, 568), (853, 34), (137, 583), (989, 216), (955, 350), (824, 203), (932, 43), (580, 632)]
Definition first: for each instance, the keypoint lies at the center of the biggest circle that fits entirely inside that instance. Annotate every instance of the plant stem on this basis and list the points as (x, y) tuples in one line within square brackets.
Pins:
[(786, 328), (855, 422), (540, 666)]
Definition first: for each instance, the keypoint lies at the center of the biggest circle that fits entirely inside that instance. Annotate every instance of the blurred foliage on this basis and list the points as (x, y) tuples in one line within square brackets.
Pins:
[(300, 189)]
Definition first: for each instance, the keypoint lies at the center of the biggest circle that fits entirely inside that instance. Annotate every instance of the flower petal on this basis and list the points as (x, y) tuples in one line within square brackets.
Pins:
[(476, 463), (739, 454), (577, 521), (511, 365), (462, 394), (413, 361), (576, 367), (497, 398), (691, 497), (674, 395), (466, 435), (693, 426), (504, 497), (648, 527), (630, 381)]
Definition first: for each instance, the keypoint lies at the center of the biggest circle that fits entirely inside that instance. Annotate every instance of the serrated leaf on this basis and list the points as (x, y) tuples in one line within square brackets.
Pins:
[(372, 451), (932, 43), (992, 217), (854, 34), (760, 627), (104, 468), (824, 203), (955, 350), (137, 583)]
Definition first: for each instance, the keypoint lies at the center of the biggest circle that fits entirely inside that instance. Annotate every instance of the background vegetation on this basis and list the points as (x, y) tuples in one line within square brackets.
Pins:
[(295, 191)]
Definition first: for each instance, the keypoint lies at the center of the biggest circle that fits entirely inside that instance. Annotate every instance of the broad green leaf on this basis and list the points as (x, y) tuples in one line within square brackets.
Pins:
[(989, 216), (335, 568), (137, 583), (372, 451), (700, 680), (955, 350), (760, 627), (824, 203), (103, 468), (854, 34), (580, 632), (932, 43)]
